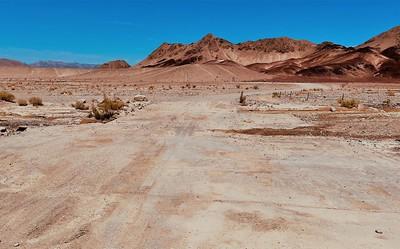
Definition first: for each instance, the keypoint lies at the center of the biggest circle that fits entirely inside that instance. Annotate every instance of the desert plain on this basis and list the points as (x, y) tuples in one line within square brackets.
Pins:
[(192, 167)]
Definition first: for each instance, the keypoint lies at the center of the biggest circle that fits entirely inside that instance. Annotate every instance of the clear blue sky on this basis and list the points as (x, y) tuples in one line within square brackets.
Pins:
[(98, 30)]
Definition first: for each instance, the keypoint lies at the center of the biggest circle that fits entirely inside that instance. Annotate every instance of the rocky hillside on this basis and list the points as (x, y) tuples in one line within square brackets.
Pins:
[(11, 63), (212, 48), (117, 64)]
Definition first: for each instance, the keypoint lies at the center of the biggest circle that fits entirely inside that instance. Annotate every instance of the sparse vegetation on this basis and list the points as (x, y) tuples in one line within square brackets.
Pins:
[(255, 87), (80, 105), (111, 104), (107, 109), (6, 96), (22, 102), (386, 102), (391, 93), (36, 101), (276, 94), (238, 86), (66, 93), (242, 99), (348, 103)]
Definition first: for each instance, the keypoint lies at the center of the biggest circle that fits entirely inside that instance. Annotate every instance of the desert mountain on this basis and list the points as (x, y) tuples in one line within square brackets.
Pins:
[(11, 63), (330, 60), (61, 64), (212, 48), (384, 40), (117, 64)]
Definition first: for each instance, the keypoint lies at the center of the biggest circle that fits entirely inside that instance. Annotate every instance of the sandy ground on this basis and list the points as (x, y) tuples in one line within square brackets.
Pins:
[(174, 176)]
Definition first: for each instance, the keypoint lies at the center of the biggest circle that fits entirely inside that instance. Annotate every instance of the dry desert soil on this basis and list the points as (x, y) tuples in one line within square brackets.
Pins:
[(193, 168)]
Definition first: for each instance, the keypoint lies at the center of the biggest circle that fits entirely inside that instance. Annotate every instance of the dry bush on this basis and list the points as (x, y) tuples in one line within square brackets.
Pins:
[(255, 87), (106, 109), (242, 99), (6, 96), (22, 102), (111, 104), (101, 114), (276, 95), (386, 102), (391, 93), (348, 103), (36, 101), (79, 105), (238, 86)]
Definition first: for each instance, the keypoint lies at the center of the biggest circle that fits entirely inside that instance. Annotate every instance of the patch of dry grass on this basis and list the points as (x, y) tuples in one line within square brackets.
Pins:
[(276, 95), (348, 103), (391, 93), (36, 101), (106, 109), (111, 104), (6, 96), (22, 102), (242, 99), (79, 105)]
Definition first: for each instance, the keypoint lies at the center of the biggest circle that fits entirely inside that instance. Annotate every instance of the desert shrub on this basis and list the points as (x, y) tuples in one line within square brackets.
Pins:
[(79, 105), (348, 103), (66, 93), (6, 96), (111, 104), (36, 101), (238, 86), (22, 102), (101, 114), (106, 109), (386, 102), (242, 99), (391, 93), (276, 95), (255, 87)]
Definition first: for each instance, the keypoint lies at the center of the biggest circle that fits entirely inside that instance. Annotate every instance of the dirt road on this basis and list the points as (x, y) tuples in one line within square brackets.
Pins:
[(167, 178)]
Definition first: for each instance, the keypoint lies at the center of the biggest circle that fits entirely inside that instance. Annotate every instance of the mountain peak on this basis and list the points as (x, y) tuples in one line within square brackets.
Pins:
[(390, 38), (208, 37), (117, 64)]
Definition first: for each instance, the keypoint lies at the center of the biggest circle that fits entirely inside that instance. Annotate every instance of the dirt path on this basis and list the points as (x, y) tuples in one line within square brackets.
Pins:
[(164, 179)]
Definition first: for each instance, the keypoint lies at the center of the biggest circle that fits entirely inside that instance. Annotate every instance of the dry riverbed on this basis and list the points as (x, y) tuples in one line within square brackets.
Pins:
[(195, 169)]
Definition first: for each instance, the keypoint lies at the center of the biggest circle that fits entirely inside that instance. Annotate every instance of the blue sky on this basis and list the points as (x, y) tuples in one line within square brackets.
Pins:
[(97, 31)]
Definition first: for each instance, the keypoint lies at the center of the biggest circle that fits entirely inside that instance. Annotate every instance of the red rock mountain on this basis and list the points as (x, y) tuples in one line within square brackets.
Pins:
[(117, 64), (384, 40), (378, 57), (11, 63), (211, 48)]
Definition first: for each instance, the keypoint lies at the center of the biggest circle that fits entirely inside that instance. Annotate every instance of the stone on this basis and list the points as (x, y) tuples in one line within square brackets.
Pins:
[(21, 128), (140, 98)]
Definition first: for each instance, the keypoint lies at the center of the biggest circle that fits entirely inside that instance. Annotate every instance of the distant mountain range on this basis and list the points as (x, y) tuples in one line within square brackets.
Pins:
[(377, 57), (274, 57), (60, 64), (46, 64)]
